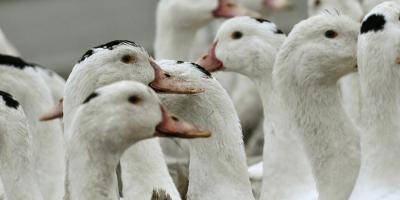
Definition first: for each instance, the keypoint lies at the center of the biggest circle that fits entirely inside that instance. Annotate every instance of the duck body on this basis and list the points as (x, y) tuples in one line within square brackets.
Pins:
[(378, 177), (48, 145)]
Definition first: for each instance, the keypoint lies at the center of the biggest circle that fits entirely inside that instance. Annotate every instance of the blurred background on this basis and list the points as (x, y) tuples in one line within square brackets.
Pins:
[(55, 33)]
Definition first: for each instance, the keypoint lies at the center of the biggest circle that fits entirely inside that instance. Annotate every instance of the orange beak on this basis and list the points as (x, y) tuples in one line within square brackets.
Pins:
[(228, 9), (166, 83), (55, 112), (171, 126), (209, 61)]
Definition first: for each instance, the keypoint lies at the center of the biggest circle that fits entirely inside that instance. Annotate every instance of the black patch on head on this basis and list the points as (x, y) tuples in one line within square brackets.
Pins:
[(14, 62), (10, 101), (207, 73), (180, 62), (110, 45), (278, 31), (90, 97), (375, 22), (261, 20)]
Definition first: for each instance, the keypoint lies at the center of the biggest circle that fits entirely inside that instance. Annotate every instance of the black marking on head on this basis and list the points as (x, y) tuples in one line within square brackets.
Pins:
[(110, 45), (279, 31), (261, 20), (9, 99), (375, 22), (180, 62), (14, 62), (90, 97), (207, 73)]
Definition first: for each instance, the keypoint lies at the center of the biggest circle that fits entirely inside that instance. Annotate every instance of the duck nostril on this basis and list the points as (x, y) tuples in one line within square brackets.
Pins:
[(204, 57), (167, 75), (175, 118)]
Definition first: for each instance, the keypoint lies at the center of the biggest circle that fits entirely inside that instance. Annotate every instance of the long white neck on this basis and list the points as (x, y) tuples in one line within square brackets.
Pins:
[(16, 169), (144, 169), (379, 174), (174, 43), (76, 90), (90, 171), (286, 171), (48, 145), (330, 140), (264, 87), (217, 168)]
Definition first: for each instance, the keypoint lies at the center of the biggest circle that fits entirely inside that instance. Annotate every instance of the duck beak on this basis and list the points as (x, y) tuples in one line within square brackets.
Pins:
[(277, 4), (55, 112), (228, 9), (209, 61), (171, 126), (167, 83)]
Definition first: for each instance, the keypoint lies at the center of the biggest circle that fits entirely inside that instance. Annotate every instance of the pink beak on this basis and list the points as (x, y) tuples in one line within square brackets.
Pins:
[(171, 126), (209, 61), (55, 112), (166, 83), (228, 9), (277, 4)]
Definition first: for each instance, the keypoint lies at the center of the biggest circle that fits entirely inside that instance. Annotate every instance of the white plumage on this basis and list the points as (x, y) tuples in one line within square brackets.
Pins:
[(329, 92)]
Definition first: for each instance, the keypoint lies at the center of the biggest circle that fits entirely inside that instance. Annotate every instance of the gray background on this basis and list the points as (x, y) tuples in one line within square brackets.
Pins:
[(55, 33)]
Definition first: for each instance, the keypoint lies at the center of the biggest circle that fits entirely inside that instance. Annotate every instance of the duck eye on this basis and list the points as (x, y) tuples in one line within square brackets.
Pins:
[(127, 59), (134, 99), (317, 3), (331, 34), (237, 35)]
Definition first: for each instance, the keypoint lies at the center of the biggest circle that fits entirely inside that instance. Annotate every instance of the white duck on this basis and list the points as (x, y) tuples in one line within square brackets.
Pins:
[(178, 24), (379, 60), (349, 85), (16, 169), (306, 103), (130, 112), (24, 82), (217, 167), (125, 60), (179, 20), (249, 46)]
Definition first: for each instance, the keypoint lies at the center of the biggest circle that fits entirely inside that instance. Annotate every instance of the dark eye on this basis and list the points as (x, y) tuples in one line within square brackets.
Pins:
[(317, 3), (134, 99), (127, 59), (237, 35), (331, 34)]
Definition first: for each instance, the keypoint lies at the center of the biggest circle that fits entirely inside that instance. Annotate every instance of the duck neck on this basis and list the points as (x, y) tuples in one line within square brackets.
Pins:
[(328, 136), (16, 169), (81, 83), (174, 42), (220, 158), (141, 173), (380, 114), (91, 170), (47, 140), (264, 87)]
